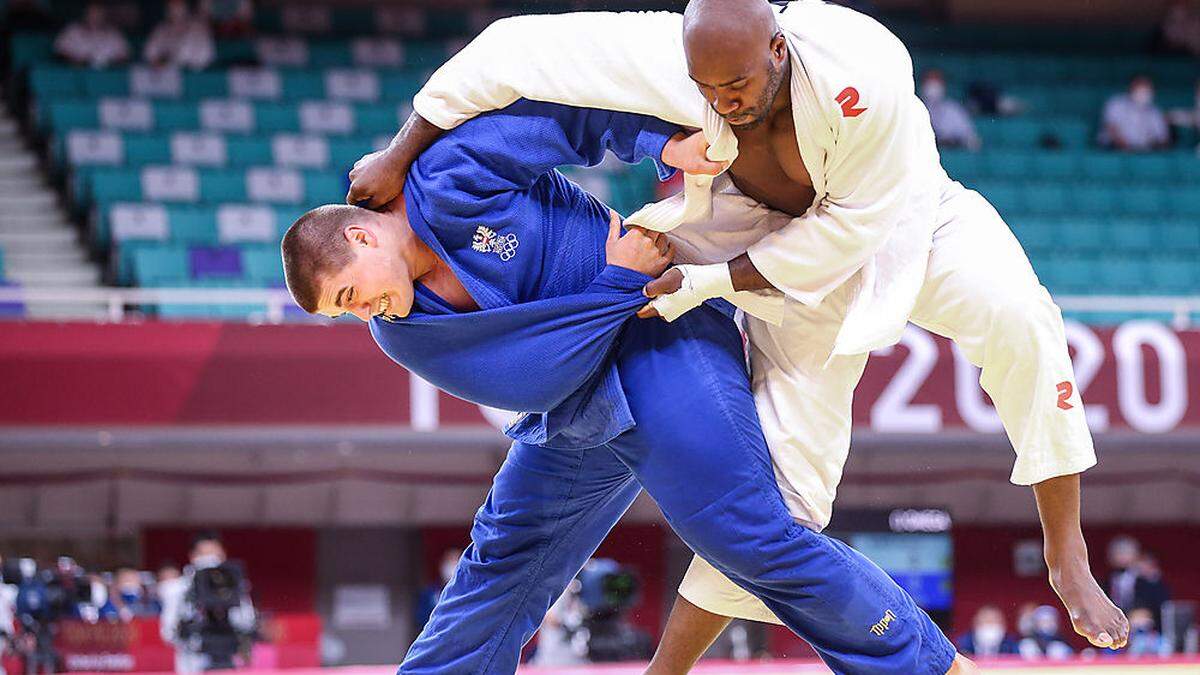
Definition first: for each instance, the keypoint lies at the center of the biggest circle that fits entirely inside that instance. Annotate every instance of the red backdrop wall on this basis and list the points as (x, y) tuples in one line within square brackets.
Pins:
[(281, 563)]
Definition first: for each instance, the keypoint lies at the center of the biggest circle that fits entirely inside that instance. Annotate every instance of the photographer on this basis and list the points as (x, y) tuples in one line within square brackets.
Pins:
[(41, 599), (206, 613), (8, 601)]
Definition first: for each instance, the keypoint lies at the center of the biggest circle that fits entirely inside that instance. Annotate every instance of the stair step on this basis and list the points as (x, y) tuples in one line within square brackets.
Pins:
[(41, 220), (80, 276), (54, 258), (58, 310), (24, 241), (28, 202), (22, 162), (21, 182)]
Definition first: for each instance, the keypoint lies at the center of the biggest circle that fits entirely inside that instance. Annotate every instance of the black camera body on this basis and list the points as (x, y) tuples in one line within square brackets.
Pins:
[(608, 591), (206, 625)]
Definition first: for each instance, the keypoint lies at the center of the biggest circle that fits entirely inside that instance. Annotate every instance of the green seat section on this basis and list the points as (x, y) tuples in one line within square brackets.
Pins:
[(156, 265), (1130, 235), (263, 265), (1170, 274)]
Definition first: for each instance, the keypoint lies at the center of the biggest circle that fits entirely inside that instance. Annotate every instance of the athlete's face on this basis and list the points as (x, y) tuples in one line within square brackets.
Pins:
[(740, 81), (375, 282)]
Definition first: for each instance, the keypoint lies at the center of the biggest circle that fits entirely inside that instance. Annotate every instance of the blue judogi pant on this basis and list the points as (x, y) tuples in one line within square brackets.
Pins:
[(699, 451)]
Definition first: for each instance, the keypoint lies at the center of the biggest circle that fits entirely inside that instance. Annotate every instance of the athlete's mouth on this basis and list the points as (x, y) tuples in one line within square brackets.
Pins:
[(385, 303)]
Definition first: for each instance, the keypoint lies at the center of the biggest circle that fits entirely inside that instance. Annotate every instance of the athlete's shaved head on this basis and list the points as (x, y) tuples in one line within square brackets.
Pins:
[(737, 55)]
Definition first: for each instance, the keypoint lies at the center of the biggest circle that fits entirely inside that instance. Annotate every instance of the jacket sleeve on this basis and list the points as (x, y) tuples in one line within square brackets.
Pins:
[(868, 184), (508, 150), (627, 61)]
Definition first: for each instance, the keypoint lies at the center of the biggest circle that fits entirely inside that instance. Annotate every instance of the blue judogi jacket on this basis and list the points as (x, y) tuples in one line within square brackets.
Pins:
[(528, 245)]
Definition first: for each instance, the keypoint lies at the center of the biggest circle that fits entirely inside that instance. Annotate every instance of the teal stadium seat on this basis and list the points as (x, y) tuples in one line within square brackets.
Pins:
[(176, 115), (223, 186), (158, 265), (1156, 168), (209, 84), (1144, 200), (1007, 164), (962, 165), (248, 150), (1049, 198), (1081, 235), (99, 83), (1132, 235), (1117, 273), (1174, 274), (263, 265), (1096, 199), (303, 84), (1037, 234), (1180, 235), (1056, 165), (276, 117), (1105, 167), (1185, 203), (55, 82)]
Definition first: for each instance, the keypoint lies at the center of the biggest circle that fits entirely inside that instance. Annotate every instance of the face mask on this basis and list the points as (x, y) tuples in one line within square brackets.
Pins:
[(989, 634), (1142, 96), (933, 90), (203, 562)]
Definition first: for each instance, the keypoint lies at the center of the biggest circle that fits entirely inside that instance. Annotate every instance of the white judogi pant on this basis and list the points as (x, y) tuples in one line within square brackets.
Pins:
[(979, 291)]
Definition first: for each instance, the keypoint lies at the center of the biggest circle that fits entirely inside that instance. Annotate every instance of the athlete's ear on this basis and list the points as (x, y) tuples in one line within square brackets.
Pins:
[(358, 235), (779, 47)]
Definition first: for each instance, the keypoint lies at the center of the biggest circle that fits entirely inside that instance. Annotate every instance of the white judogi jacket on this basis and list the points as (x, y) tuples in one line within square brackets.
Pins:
[(863, 135)]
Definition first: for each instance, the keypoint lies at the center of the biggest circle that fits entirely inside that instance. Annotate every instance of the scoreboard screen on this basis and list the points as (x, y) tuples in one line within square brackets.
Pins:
[(913, 545)]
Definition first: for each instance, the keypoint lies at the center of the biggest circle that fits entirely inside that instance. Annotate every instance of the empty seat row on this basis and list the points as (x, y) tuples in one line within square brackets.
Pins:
[(1118, 273), (1136, 237), (1108, 72), (1103, 200), (1074, 164), (52, 82), (225, 115), (112, 148), (154, 264)]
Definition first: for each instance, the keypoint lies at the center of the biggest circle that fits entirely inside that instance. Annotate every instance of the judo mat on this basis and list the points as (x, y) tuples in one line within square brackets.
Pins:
[(1113, 666)]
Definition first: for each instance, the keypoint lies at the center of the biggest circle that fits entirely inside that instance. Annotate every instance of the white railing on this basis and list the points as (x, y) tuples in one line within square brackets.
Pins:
[(119, 303)]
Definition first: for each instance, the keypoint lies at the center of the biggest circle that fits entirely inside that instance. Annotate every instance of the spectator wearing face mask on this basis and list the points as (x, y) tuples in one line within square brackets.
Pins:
[(952, 123), (130, 597), (1132, 122), (988, 636), (182, 39), (1046, 639), (92, 42), (1123, 552)]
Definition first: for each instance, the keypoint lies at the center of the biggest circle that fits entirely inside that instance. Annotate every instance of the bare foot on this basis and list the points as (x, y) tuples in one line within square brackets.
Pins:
[(1092, 614)]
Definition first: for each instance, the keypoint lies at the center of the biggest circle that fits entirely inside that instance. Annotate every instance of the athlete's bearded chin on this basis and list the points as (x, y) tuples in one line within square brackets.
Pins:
[(762, 107)]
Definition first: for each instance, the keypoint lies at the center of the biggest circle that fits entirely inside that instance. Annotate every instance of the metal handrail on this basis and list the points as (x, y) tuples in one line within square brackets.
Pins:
[(273, 300)]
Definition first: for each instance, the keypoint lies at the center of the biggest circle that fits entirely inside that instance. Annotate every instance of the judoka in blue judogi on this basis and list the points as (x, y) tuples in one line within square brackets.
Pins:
[(538, 322)]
